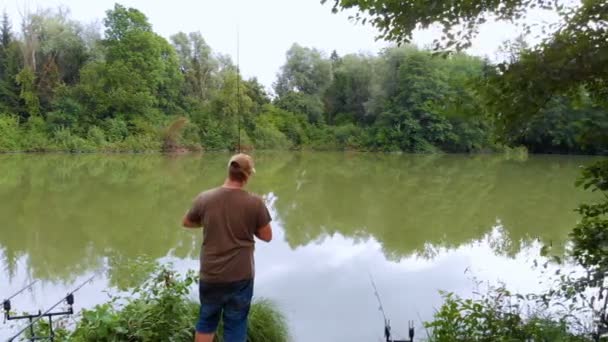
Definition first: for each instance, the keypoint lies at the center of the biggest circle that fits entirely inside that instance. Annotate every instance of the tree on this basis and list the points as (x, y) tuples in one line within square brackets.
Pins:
[(572, 57), (61, 44), (256, 92), (305, 71), (10, 65), (460, 20), (122, 21), (27, 80), (349, 91), (6, 34), (140, 74), (196, 63), (303, 79), (572, 63), (299, 102)]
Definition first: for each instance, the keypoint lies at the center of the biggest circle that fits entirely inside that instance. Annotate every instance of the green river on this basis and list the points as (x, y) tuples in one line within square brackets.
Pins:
[(417, 223)]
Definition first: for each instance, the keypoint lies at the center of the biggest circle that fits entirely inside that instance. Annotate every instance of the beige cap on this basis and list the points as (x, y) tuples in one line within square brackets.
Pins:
[(245, 163)]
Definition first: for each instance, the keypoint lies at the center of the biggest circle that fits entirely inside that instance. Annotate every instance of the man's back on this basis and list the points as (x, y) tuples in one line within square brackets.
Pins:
[(230, 218)]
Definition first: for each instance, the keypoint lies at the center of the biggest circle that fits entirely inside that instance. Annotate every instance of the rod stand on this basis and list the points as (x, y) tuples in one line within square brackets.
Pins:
[(6, 305), (387, 333)]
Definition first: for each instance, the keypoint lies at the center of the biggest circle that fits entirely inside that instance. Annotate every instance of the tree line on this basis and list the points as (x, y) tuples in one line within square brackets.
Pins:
[(66, 86)]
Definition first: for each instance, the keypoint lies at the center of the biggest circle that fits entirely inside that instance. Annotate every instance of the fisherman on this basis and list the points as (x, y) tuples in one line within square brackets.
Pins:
[(230, 217)]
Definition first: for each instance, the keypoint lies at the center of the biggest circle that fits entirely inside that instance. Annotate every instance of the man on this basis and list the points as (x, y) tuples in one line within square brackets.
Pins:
[(230, 217)]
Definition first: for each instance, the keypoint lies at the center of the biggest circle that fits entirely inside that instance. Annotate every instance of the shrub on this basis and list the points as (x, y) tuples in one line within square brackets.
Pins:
[(116, 129), (35, 138), (10, 133), (267, 136), (139, 143), (495, 317), (96, 136), (161, 310), (65, 140), (349, 136)]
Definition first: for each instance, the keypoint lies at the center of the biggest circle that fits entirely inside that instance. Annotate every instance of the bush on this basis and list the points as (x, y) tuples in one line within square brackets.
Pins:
[(64, 140), (10, 133), (267, 136), (495, 316), (35, 138), (116, 129), (322, 138), (138, 143), (96, 136), (190, 137), (161, 310), (349, 136)]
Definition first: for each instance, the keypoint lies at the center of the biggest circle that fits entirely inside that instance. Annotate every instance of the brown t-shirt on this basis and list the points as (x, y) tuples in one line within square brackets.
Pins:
[(229, 217)]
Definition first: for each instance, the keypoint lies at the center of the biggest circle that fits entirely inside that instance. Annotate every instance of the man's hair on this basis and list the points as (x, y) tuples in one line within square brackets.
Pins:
[(235, 173)]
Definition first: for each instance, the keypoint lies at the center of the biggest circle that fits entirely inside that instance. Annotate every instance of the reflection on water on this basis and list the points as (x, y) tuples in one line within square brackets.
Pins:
[(415, 222)]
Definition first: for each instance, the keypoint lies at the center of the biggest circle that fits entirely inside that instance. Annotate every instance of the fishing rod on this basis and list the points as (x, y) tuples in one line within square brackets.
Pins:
[(387, 322), (238, 84), (34, 318), (20, 291)]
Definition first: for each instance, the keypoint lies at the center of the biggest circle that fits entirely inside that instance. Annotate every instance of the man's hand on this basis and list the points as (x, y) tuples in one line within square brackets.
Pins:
[(264, 233), (189, 224)]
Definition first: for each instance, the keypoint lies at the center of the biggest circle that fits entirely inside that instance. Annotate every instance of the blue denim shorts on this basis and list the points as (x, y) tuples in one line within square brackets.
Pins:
[(231, 301)]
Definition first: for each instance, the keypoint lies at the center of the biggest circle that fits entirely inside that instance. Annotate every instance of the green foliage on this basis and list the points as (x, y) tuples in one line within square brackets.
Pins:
[(197, 64), (266, 135), (590, 236), (495, 316), (138, 143), (349, 91), (122, 21), (305, 71), (266, 323), (26, 79), (10, 133), (523, 94), (64, 140), (160, 309), (96, 136), (35, 136), (459, 20), (116, 129), (74, 90), (297, 102), (349, 136)]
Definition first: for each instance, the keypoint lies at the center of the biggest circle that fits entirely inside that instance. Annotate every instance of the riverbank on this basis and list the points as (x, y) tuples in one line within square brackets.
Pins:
[(179, 135)]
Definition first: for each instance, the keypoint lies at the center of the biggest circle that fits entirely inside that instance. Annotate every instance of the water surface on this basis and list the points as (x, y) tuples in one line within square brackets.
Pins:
[(417, 223)]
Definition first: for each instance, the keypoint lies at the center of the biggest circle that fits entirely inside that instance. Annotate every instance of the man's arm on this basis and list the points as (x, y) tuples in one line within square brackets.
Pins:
[(189, 224), (264, 233), (193, 217)]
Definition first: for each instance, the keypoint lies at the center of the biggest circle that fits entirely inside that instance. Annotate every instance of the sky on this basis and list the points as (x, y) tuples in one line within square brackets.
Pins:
[(267, 28)]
